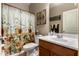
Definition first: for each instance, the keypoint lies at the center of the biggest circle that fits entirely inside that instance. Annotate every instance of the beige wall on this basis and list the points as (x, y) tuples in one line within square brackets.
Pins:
[(43, 29), (23, 6), (58, 10)]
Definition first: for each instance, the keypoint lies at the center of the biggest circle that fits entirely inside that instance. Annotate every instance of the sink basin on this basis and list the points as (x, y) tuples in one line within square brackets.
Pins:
[(56, 38), (60, 39), (63, 39)]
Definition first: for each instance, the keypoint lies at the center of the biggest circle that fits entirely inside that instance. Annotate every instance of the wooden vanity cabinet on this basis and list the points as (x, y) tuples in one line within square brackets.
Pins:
[(43, 51), (51, 49)]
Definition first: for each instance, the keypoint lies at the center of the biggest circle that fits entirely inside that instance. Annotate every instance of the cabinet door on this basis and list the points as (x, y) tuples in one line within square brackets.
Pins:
[(43, 51), (54, 54)]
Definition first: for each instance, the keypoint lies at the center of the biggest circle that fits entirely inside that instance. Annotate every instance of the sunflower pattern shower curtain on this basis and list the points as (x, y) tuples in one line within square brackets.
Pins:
[(14, 18)]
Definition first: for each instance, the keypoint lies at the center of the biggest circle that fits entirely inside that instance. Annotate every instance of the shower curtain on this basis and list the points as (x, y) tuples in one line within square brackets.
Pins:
[(13, 18)]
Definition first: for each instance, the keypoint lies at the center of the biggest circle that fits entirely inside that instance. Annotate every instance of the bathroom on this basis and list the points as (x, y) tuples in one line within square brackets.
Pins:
[(42, 29)]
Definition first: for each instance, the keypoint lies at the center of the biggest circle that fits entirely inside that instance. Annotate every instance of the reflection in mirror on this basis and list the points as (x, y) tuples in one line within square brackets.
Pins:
[(63, 17), (70, 21)]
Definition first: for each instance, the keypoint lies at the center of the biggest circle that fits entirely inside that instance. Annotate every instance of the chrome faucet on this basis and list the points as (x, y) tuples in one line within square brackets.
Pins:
[(59, 35)]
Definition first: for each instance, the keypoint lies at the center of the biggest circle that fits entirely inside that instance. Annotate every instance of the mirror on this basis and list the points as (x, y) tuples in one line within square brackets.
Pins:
[(63, 18), (70, 21)]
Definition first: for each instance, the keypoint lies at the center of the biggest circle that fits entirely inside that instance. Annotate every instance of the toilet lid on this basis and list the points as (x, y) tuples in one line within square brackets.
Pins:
[(30, 46)]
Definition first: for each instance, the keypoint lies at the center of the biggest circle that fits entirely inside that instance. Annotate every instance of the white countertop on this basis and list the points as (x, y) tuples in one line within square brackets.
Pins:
[(69, 42)]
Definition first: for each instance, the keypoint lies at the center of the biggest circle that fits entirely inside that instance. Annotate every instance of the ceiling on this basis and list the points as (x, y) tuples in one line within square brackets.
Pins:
[(55, 4)]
